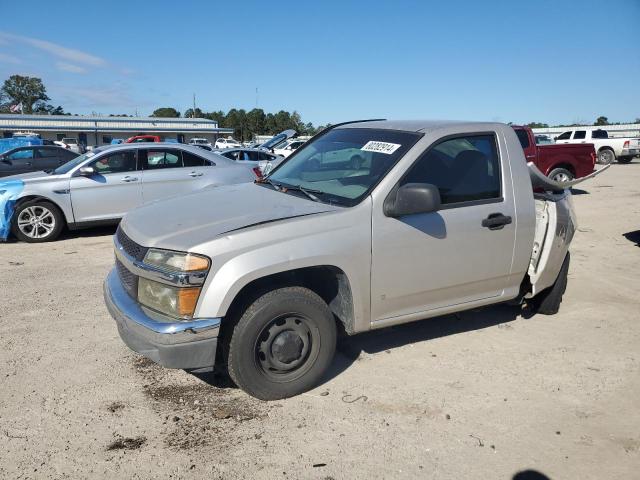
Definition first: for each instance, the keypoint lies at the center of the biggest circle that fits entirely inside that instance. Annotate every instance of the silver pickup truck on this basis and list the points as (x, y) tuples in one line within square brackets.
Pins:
[(369, 224)]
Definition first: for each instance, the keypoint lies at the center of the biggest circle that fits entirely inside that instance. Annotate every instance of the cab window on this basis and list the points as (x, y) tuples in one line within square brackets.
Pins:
[(465, 169), (115, 163), (565, 136), (523, 136)]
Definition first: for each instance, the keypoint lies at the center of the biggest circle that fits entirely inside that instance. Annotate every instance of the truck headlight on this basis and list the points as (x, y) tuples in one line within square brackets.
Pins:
[(172, 301), (176, 261), (175, 301)]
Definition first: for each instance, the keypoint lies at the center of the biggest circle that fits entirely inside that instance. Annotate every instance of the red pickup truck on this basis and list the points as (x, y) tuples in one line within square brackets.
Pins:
[(558, 162)]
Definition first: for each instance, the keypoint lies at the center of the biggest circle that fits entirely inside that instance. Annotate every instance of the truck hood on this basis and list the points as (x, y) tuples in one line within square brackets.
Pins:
[(181, 223)]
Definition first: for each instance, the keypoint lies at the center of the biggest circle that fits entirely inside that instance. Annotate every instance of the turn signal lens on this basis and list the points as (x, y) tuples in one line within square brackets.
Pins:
[(176, 261), (187, 299)]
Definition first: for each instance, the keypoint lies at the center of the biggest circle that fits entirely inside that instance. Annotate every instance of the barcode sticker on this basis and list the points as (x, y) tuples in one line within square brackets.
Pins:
[(380, 147)]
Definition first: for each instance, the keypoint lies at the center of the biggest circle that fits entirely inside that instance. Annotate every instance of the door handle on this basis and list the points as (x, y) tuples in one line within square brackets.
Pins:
[(195, 174), (496, 221), (128, 179)]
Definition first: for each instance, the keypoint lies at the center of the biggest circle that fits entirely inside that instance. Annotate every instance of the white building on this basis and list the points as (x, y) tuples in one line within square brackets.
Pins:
[(625, 130), (102, 130)]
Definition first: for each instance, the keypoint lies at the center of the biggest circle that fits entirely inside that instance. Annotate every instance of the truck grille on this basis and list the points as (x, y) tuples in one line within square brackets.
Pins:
[(128, 279), (130, 247)]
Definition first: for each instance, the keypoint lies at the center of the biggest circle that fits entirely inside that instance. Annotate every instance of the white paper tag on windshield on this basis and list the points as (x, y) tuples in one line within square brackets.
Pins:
[(380, 147)]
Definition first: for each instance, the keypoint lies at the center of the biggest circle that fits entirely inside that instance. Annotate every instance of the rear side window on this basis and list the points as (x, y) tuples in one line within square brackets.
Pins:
[(579, 134), (157, 159), (465, 169), (116, 163), (599, 134), (523, 137), (191, 160), (565, 136), (265, 156)]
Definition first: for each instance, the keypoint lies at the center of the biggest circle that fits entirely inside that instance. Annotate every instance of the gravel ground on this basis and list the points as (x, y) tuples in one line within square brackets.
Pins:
[(483, 394)]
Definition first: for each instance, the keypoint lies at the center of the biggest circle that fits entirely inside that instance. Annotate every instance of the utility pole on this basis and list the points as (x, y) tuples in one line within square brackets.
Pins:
[(193, 115), (256, 97)]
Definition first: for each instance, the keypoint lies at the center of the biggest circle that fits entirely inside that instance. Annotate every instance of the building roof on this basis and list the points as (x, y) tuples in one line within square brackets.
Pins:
[(90, 123)]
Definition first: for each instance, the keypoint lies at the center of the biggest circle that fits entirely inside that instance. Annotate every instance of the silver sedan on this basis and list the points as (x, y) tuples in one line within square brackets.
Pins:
[(100, 186)]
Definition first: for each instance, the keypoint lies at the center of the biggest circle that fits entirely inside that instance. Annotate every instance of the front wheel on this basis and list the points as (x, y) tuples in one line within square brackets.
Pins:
[(606, 156), (282, 344), (37, 221)]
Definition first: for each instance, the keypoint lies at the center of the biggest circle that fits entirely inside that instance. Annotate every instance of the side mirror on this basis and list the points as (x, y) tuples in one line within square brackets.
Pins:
[(86, 171), (412, 198)]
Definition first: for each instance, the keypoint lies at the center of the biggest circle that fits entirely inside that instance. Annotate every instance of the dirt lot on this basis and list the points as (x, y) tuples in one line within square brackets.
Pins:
[(484, 394)]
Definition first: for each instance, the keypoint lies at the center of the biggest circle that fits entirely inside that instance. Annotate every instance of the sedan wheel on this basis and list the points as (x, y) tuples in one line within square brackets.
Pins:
[(37, 221)]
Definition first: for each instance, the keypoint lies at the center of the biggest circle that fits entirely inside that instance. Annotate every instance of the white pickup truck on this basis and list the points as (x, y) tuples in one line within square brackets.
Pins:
[(369, 224), (609, 148)]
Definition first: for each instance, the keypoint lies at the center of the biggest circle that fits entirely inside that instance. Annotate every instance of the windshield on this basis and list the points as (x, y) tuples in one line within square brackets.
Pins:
[(71, 164), (343, 165)]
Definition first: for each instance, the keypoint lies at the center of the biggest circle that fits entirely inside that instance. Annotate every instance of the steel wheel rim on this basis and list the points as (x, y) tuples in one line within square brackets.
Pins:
[(606, 157), (561, 177), (290, 335), (36, 222)]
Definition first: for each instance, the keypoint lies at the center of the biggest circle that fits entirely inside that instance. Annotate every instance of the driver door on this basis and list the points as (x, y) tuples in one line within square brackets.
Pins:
[(112, 191)]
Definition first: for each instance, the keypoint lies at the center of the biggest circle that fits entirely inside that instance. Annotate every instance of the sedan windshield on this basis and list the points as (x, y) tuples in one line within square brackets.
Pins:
[(343, 165)]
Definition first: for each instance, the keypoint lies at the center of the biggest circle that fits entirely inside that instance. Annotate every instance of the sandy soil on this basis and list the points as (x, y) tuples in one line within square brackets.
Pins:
[(484, 394)]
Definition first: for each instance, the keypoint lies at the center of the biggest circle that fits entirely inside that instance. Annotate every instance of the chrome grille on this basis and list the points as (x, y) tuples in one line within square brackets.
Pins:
[(128, 279), (130, 247)]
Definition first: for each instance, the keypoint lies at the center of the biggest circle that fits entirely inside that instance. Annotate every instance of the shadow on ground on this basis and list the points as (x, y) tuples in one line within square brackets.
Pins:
[(633, 237), (376, 341)]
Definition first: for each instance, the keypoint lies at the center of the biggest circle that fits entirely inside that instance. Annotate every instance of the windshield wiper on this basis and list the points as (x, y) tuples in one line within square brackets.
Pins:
[(309, 192)]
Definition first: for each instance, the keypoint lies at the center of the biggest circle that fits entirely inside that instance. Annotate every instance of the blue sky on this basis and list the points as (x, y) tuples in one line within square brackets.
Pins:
[(550, 61)]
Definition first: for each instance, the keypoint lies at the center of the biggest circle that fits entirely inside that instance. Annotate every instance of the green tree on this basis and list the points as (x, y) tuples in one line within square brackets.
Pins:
[(189, 113), (602, 121), (166, 112), (256, 120), (25, 90), (537, 125)]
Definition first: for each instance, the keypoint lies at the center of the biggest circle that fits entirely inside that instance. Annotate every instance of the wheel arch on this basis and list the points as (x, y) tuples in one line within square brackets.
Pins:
[(328, 281), (565, 165)]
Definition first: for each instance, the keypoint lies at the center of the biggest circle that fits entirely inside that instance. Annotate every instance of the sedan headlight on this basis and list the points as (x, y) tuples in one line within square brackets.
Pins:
[(172, 300)]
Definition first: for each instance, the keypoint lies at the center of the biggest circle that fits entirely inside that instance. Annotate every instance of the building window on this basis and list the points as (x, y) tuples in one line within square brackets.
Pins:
[(107, 139)]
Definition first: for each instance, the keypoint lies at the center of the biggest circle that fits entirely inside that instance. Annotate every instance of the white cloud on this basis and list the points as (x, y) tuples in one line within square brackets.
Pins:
[(9, 59), (69, 67), (59, 51)]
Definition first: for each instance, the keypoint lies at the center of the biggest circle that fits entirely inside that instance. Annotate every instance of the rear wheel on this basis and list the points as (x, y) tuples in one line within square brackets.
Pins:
[(606, 156), (548, 301), (625, 159), (561, 175), (37, 221), (282, 344)]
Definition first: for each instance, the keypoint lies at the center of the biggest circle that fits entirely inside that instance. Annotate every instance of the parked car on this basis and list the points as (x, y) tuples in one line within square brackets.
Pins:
[(101, 186), (260, 161), (143, 139), (73, 145), (544, 140), (223, 143), (33, 159), (288, 148), (609, 149), (200, 142), (278, 140), (560, 162), (370, 224), (205, 147)]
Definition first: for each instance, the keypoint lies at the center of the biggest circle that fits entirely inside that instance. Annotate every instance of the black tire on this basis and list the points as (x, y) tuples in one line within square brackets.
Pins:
[(606, 156), (50, 227), (548, 301), (561, 175), (282, 344), (625, 159)]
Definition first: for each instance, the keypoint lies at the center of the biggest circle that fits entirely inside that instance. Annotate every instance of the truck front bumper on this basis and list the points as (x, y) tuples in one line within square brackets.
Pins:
[(189, 345)]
